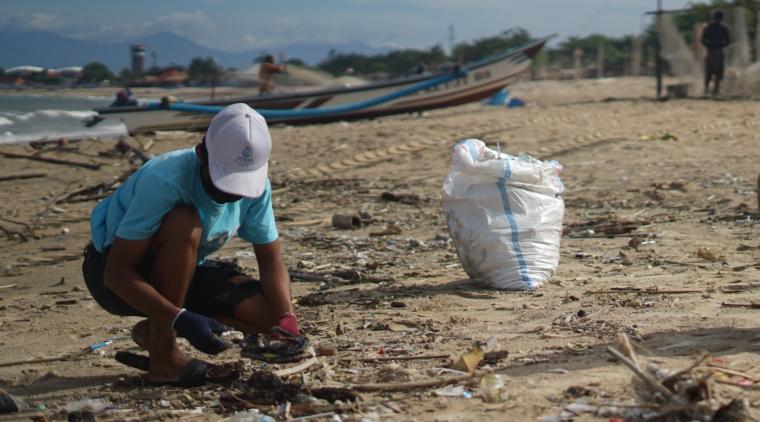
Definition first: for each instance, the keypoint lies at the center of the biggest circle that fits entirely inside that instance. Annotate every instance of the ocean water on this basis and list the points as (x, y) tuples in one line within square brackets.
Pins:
[(25, 118)]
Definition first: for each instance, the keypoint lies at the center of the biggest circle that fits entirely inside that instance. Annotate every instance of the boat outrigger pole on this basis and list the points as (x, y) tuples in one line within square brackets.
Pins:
[(457, 72)]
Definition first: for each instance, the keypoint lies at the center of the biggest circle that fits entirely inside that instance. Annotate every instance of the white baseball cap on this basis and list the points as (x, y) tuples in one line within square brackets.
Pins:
[(238, 145)]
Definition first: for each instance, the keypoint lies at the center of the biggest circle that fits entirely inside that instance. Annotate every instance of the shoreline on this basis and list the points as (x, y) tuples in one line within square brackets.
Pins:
[(185, 93)]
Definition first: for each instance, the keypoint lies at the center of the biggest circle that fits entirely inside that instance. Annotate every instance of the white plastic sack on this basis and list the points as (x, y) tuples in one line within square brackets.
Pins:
[(505, 215)]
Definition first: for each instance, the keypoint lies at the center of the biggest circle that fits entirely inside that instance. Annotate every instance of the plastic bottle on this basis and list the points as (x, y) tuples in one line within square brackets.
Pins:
[(492, 389), (250, 416)]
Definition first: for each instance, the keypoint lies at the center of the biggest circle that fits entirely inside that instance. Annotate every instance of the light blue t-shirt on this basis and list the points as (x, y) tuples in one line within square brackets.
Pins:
[(135, 210)]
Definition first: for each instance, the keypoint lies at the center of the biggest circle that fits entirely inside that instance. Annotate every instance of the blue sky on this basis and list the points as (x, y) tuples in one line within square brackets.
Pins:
[(244, 24)]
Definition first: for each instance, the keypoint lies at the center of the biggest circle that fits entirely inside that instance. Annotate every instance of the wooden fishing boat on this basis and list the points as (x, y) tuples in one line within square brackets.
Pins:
[(482, 79)]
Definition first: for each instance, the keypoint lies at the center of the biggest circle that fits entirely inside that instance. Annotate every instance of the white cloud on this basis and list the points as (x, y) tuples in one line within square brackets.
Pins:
[(33, 21), (193, 24), (196, 22), (250, 39)]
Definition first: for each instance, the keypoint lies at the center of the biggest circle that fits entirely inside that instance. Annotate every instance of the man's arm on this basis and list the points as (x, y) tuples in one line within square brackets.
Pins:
[(275, 281), (122, 277)]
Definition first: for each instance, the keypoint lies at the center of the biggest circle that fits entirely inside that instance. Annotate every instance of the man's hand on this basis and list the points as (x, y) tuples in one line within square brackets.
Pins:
[(288, 322), (201, 332)]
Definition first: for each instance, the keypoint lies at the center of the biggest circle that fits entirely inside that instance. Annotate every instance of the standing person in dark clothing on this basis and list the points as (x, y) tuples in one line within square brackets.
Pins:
[(715, 38)]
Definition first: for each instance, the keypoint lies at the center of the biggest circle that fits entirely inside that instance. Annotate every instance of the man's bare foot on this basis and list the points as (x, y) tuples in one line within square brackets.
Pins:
[(169, 368), (167, 362), (140, 334)]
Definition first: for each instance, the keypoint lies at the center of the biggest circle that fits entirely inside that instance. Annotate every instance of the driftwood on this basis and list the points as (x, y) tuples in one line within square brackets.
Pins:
[(298, 368), (580, 235), (297, 275), (407, 386), (691, 393), (648, 379), (313, 222), (654, 291), (751, 305), (142, 155), (392, 358), (93, 192), (34, 360), (24, 235), (675, 375), (495, 355), (339, 277), (22, 176), (89, 166)]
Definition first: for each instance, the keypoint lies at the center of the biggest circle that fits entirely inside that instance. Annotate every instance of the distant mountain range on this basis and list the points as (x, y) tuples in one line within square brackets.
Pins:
[(50, 50)]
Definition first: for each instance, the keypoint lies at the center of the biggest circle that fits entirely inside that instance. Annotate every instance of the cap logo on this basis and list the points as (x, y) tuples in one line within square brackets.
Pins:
[(245, 159)]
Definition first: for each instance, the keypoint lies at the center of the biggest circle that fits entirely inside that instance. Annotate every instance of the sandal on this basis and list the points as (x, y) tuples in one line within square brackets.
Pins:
[(194, 374)]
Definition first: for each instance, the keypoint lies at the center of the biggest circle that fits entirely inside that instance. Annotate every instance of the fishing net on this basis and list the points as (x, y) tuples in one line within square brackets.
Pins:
[(742, 77), (745, 84), (674, 50), (685, 63), (738, 53)]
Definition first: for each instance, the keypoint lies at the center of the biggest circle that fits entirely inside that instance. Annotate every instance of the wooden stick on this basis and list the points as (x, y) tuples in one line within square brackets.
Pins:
[(298, 368), (8, 286), (752, 305), (744, 387), (20, 223), (732, 372), (312, 276), (625, 343), (89, 166), (303, 222), (577, 235), (650, 291), (22, 176), (644, 376), (689, 368), (34, 360), (391, 358), (104, 187), (89, 198), (406, 386), (8, 230), (314, 416), (135, 150), (66, 196)]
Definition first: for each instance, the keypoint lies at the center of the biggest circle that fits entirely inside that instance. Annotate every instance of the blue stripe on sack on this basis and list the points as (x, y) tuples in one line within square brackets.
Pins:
[(513, 226)]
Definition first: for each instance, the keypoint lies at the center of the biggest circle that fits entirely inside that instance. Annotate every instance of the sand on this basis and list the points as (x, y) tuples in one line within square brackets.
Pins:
[(694, 192)]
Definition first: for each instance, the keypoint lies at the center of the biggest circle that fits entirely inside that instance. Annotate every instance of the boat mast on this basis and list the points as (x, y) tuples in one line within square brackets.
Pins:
[(658, 47)]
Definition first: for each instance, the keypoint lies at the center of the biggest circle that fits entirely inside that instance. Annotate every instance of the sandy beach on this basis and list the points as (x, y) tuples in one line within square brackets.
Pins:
[(681, 174)]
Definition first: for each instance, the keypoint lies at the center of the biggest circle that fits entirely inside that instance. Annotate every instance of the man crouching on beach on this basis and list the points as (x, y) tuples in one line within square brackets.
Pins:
[(150, 239)]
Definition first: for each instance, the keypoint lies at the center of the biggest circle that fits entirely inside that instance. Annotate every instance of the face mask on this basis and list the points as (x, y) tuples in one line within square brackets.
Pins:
[(218, 196)]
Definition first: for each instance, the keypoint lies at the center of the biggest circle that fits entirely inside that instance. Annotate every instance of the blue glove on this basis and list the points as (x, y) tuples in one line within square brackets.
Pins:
[(200, 331)]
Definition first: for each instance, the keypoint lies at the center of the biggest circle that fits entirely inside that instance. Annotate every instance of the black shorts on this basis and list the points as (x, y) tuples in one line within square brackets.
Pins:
[(217, 287), (714, 65)]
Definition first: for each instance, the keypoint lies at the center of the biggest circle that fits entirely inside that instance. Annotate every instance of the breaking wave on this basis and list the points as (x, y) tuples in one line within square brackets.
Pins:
[(29, 118)]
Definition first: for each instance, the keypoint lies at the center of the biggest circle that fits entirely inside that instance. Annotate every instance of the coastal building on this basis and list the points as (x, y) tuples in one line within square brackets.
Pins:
[(167, 78), (138, 58), (24, 70), (70, 72)]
